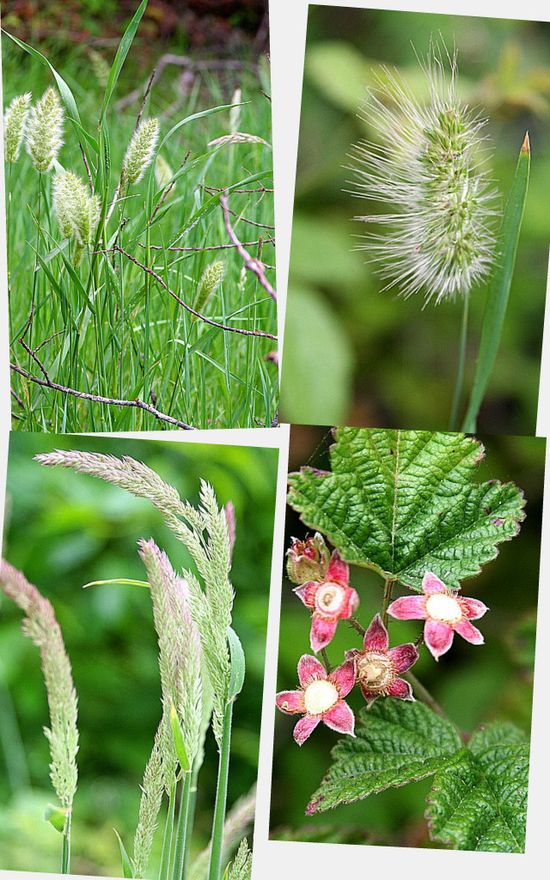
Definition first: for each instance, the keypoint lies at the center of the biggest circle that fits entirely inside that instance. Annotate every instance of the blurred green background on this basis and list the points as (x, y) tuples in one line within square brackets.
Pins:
[(354, 355), (63, 530), (472, 684)]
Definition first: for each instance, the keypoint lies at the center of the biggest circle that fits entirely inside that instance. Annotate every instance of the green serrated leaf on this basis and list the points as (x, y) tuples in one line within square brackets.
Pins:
[(406, 502), (238, 664), (396, 743), (480, 803)]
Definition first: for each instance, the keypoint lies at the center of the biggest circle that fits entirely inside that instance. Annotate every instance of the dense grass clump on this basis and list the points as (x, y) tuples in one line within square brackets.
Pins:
[(110, 239)]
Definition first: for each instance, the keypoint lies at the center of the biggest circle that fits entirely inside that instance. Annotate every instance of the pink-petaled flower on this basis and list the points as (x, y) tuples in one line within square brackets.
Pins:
[(332, 599), (320, 698), (308, 560), (377, 666), (445, 613)]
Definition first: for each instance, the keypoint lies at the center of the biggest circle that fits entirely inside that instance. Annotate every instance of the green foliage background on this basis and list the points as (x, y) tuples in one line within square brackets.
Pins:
[(354, 355), (64, 530), (473, 684)]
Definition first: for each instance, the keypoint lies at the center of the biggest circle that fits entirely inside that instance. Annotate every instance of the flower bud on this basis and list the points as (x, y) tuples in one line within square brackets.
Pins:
[(140, 152), (45, 131), (308, 560), (15, 121)]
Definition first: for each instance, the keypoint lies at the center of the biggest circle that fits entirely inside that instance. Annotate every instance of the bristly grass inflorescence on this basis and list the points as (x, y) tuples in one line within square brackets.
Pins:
[(15, 123), (77, 211), (140, 152), (45, 131), (427, 169), (41, 626)]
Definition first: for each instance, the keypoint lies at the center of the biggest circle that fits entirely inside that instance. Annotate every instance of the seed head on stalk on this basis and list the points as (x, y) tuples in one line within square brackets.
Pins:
[(428, 168), (15, 122), (41, 626), (140, 152), (77, 211), (45, 130)]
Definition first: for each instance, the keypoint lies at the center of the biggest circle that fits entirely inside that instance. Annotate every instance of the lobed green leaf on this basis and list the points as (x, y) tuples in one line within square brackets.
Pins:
[(406, 502)]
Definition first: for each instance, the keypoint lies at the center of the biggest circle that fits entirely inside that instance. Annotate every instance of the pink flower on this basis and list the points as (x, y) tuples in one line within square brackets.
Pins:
[(320, 698), (332, 599), (445, 613), (377, 666)]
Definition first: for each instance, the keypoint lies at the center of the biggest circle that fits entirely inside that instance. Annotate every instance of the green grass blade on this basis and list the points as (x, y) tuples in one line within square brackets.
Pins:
[(127, 870), (120, 57), (499, 285)]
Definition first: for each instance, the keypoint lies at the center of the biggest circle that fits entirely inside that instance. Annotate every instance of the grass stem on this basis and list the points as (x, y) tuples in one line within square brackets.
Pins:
[(459, 380), (181, 828), (216, 853)]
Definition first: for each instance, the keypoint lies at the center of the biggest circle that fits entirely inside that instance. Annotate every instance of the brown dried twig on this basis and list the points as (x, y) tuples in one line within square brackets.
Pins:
[(182, 302), (98, 398), (212, 247), (255, 266)]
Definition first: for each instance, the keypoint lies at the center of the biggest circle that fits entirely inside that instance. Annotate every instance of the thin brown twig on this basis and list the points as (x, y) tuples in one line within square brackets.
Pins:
[(253, 265), (97, 398), (212, 247), (182, 302), (17, 398), (250, 222)]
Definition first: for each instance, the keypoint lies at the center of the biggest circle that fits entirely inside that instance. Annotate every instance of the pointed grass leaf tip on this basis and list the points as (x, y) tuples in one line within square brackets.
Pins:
[(45, 130), (15, 123), (427, 172), (140, 152)]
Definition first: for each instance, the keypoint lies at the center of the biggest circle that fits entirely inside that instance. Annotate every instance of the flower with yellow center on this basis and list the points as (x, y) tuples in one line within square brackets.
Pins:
[(378, 666), (445, 613), (320, 698)]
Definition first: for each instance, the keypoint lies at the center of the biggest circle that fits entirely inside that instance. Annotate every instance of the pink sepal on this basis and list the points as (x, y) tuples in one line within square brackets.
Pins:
[(376, 637), (306, 592), (340, 718), (309, 669), (432, 584), (403, 657), (408, 608), (305, 727), (290, 702), (400, 688), (338, 570), (469, 632), (473, 609), (344, 677), (438, 637), (322, 632)]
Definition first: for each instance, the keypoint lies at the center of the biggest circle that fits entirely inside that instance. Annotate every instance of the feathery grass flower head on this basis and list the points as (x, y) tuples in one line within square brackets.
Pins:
[(163, 172), (445, 613), (140, 152), (77, 211), (15, 122), (320, 698), (378, 666), (41, 626), (210, 280), (45, 130), (427, 168)]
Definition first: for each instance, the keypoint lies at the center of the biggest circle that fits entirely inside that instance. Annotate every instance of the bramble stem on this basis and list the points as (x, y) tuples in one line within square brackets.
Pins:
[(215, 867), (326, 661), (388, 587), (181, 830), (425, 695), (459, 380), (354, 623)]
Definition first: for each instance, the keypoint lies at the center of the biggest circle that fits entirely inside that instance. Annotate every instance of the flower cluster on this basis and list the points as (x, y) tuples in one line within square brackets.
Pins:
[(323, 586)]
